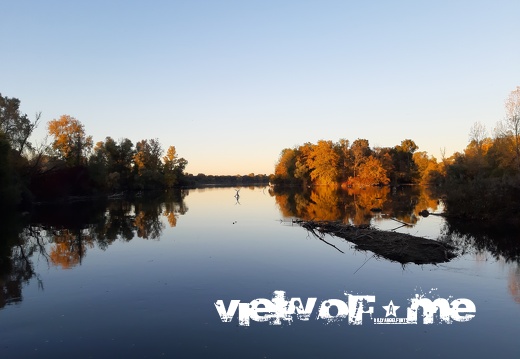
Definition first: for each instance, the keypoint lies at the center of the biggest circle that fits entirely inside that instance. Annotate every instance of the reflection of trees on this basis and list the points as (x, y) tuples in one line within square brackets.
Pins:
[(502, 243), (17, 248), (117, 223), (64, 256), (363, 203), (63, 234), (320, 203), (402, 204), (323, 204), (69, 246), (426, 200), (291, 202), (115, 220), (146, 220), (13, 275), (171, 217), (514, 283), (357, 206), (360, 206), (174, 205)]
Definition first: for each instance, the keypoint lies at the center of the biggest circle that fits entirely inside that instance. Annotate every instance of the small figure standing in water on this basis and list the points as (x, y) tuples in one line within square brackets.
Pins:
[(237, 196)]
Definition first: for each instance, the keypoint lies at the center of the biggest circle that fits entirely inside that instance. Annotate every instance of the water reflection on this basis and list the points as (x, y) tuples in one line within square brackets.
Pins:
[(16, 252), (150, 286), (503, 243), (514, 283), (360, 207), (405, 204), (356, 206), (62, 235)]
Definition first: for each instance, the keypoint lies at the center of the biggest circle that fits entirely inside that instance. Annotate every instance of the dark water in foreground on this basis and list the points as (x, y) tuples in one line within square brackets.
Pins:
[(140, 279)]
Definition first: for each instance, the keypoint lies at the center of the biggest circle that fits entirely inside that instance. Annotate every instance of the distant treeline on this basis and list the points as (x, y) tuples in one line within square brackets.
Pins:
[(482, 182), (224, 180)]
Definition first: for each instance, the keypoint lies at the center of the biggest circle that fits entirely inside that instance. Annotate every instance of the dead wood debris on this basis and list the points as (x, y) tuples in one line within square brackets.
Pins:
[(399, 247)]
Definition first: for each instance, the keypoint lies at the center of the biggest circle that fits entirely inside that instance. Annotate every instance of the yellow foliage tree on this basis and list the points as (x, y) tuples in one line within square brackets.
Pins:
[(429, 169), (371, 172), (323, 162), (170, 163), (285, 166), (70, 140)]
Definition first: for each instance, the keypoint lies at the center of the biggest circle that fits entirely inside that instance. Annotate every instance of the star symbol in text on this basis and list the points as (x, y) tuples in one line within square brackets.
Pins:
[(390, 309)]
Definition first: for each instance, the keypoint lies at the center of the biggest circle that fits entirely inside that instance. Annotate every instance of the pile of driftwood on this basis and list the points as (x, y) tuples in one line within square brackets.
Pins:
[(394, 246)]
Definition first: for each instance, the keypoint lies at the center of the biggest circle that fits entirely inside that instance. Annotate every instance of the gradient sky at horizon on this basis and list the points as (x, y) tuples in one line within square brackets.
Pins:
[(232, 83)]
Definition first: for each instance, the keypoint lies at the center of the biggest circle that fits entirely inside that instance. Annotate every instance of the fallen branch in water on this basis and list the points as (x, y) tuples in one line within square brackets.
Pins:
[(403, 223), (319, 236), (399, 247)]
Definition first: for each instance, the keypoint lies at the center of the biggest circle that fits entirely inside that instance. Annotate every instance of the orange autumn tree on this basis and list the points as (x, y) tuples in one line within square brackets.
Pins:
[(323, 162), (284, 169), (332, 163), (371, 172), (70, 141)]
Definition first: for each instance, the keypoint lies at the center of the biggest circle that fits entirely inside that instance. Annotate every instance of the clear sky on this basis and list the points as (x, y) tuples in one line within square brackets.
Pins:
[(232, 83)]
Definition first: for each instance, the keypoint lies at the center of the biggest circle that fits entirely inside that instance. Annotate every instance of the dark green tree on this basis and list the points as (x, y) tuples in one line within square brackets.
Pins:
[(405, 169), (16, 126), (148, 165), (360, 150)]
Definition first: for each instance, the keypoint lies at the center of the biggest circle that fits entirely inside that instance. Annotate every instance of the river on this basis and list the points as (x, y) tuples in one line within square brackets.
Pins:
[(141, 279)]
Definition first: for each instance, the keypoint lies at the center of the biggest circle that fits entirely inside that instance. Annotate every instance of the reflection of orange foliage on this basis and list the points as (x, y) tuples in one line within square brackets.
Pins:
[(140, 224), (283, 203), (425, 201), (514, 284), (69, 247), (147, 224), (171, 211), (171, 217), (323, 204), (371, 197), (61, 255), (357, 205), (366, 200), (301, 202)]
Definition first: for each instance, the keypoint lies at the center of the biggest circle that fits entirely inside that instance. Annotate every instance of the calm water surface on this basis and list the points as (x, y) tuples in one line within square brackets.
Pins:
[(140, 279)]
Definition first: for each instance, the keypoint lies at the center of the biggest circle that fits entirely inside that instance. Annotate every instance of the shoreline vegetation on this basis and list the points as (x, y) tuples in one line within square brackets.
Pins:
[(69, 167), (480, 183)]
